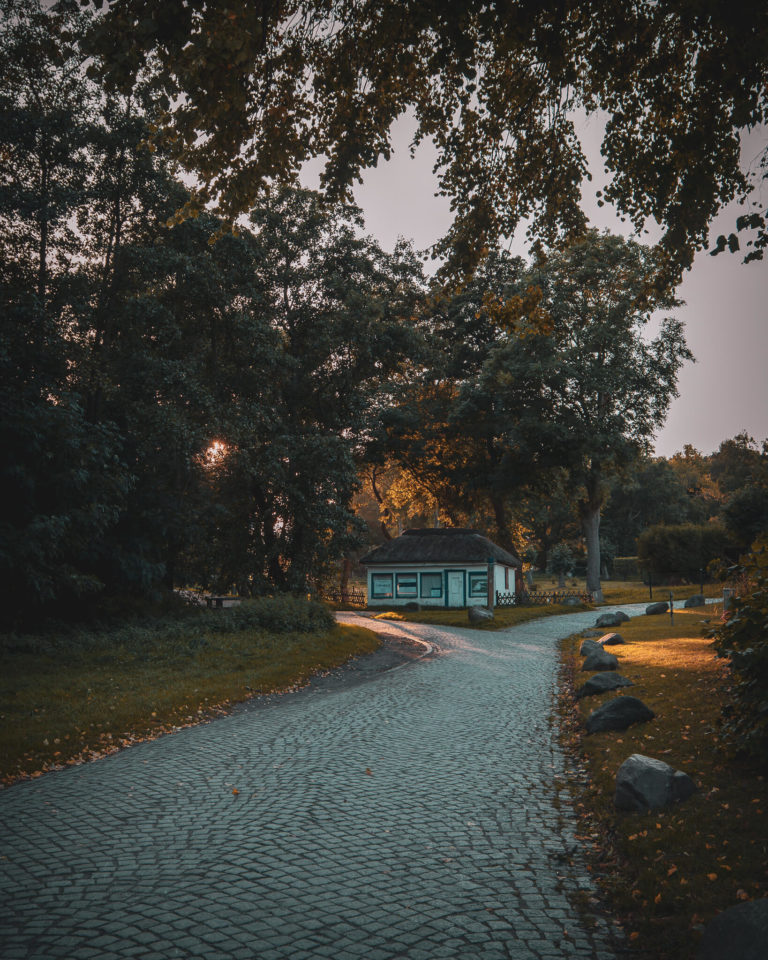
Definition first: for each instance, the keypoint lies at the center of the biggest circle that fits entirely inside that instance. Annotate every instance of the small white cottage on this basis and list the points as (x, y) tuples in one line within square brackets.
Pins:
[(444, 567)]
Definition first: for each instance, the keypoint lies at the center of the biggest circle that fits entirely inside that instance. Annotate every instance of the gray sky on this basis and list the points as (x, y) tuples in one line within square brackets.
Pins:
[(726, 311)]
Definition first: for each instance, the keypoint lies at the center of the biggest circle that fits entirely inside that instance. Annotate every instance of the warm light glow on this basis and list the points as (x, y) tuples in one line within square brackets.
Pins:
[(216, 453)]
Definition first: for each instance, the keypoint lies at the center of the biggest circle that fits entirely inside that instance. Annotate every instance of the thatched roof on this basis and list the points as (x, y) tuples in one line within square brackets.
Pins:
[(441, 546)]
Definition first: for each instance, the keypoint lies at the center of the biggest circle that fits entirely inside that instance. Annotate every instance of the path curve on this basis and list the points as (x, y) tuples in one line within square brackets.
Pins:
[(411, 817)]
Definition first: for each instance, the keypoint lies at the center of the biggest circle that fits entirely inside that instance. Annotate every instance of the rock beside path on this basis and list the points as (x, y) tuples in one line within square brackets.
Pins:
[(601, 682), (600, 660), (479, 614), (697, 600), (618, 714), (655, 608), (611, 619), (644, 783), (611, 639), (589, 646), (738, 932)]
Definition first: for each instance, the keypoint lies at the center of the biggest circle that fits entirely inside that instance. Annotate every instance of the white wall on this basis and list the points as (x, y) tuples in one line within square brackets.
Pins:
[(415, 570)]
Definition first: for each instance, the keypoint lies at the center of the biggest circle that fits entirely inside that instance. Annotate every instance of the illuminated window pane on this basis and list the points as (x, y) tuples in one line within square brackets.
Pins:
[(407, 585), (381, 586)]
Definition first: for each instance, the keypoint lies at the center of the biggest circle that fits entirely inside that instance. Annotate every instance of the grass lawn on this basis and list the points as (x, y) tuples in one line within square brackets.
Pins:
[(66, 705), (634, 591), (503, 616), (666, 874)]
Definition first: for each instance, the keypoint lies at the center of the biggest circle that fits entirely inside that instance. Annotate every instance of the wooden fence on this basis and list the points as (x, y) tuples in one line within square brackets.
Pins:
[(540, 598), (349, 598)]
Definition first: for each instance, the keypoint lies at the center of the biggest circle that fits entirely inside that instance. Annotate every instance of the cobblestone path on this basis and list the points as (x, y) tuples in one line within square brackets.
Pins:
[(414, 816)]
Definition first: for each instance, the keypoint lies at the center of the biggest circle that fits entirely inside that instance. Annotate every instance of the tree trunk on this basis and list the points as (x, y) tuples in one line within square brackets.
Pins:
[(380, 501), (503, 532), (346, 569), (590, 520)]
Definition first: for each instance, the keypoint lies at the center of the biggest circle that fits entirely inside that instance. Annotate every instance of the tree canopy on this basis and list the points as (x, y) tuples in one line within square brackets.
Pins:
[(251, 91), (172, 409)]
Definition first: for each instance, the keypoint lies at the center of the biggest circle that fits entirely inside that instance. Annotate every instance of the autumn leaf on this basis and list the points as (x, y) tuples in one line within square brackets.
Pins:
[(712, 876), (235, 792)]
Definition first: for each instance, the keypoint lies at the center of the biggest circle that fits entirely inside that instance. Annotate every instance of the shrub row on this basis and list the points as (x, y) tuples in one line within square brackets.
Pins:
[(187, 630), (743, 638)]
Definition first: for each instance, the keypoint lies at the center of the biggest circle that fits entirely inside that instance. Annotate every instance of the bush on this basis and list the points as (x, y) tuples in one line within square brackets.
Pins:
[(281, 614), (625, 568), (185, 631), (681, 550), (743, 638)]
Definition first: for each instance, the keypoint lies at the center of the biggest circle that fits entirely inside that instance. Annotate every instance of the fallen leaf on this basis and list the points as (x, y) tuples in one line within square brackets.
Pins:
[(369, 771), (712, 876), (235, 791)]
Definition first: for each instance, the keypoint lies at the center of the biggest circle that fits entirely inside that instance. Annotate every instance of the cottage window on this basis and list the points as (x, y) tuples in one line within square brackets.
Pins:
[(478, 584), (407, 585), (381, 586), (431, 584)]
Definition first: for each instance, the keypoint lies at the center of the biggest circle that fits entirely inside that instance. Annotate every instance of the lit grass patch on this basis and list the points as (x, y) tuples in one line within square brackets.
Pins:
[(57, 708), (665, 874)]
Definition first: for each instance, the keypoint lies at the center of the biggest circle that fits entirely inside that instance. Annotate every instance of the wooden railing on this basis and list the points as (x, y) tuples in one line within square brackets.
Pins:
[(540, 598)]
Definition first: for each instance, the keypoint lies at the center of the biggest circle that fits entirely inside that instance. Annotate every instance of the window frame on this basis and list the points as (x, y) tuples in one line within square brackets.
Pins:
[(409, 578), (473, 577), (431, 595), (386, 595)]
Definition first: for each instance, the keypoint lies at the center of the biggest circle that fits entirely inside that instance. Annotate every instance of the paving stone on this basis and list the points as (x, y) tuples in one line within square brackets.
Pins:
[(150, 853)]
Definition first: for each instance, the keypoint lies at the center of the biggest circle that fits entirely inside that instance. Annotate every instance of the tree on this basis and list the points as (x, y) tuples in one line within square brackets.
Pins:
[(131, 347), (337, 326), (739, 462), (560, 562), (64, 480), (576, 381), (648, 492), (252, 91)]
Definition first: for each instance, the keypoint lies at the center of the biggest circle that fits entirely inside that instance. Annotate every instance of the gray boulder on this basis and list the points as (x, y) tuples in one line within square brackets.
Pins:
[(660, 607), (644, 783), (479, 614), (740, 931), (618, 714), (697, 600), (622, 616), (609, 620), (611, 639), (600, 660), (589, 646), (601, 682), (589, 634)]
